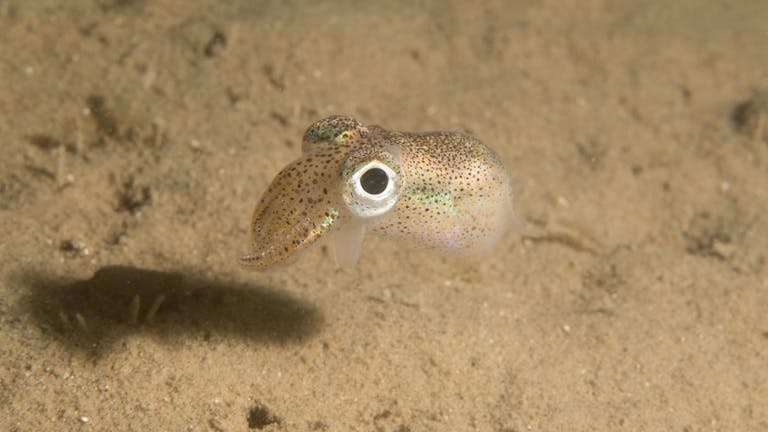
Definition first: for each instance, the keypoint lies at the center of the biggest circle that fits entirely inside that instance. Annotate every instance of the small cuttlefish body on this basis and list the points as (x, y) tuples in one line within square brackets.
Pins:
[(443, 190)]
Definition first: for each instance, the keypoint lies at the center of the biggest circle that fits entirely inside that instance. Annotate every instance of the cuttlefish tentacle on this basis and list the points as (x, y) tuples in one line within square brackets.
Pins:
[(443, 190)]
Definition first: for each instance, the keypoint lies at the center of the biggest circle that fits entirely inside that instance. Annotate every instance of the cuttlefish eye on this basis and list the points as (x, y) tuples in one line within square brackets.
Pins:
[(372, 189), (374, 181)]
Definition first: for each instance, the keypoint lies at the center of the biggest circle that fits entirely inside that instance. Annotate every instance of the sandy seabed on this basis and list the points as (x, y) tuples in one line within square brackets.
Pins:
[(137, 136)]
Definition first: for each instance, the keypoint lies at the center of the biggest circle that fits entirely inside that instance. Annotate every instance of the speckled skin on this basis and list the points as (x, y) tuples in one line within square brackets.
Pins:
[(449, 192)]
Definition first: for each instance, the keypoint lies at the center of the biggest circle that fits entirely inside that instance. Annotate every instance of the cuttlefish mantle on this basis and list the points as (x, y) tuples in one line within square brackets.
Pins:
[(443, 190)]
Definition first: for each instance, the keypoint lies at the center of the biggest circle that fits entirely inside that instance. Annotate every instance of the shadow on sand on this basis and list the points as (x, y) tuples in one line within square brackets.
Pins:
[(92, 315)]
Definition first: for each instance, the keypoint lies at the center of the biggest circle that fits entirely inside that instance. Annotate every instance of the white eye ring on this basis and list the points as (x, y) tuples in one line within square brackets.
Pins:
[(380, 196)]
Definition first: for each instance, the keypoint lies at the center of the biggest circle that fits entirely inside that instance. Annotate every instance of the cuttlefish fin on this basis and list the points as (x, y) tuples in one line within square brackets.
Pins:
[(348, 242)]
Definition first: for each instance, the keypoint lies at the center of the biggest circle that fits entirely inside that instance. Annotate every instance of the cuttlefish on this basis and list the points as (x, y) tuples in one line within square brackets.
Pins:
[(444, 190)]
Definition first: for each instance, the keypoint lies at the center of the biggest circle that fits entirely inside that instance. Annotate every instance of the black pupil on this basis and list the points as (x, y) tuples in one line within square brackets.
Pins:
[(374, 181)]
